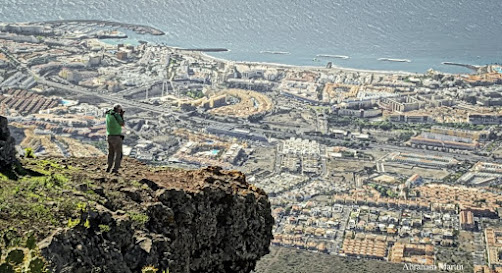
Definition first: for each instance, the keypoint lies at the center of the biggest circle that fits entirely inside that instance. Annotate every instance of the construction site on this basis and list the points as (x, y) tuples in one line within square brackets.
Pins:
[(249, 103), (335, 92)]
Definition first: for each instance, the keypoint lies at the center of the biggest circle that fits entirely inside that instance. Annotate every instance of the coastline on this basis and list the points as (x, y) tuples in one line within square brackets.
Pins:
[(205, 54), (144, 30), (320, 68)]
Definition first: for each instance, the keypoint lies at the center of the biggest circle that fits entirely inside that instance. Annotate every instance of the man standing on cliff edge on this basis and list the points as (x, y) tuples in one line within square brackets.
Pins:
[(114, 124)]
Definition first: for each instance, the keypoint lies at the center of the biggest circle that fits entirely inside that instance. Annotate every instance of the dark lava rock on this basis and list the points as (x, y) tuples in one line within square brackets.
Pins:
[(7, 145)]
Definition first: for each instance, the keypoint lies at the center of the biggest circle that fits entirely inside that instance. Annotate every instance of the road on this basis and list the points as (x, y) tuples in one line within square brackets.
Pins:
[(136, 89), (341, 230), (122, 101), (479, 254), (278, 159), (462, 157), (162, 110), (324, 167)]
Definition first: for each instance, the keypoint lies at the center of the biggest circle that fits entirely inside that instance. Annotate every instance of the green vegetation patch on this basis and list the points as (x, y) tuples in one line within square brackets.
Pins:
[(29, 153), (384, 191), (39, 197), (195, 94), (3, 177), (138, 218), (46, 167), (453, 177)]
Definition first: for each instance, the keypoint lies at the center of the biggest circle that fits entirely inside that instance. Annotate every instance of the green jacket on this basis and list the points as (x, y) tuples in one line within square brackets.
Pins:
[(114, 123)]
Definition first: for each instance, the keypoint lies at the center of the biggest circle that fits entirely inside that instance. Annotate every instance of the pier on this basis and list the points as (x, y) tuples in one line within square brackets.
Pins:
[(469, 66)]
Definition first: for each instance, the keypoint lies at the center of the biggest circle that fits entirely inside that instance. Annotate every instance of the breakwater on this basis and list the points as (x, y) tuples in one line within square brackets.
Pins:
[(470, 66)]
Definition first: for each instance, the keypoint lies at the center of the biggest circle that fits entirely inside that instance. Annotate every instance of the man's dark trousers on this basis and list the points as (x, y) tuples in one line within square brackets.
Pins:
[(114, 152)]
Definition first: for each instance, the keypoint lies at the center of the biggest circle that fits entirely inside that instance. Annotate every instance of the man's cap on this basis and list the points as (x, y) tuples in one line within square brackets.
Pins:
[(117, 106)]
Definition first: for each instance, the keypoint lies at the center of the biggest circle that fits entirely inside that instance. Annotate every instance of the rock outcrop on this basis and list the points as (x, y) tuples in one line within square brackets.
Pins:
[(207, 220), (7, 145)]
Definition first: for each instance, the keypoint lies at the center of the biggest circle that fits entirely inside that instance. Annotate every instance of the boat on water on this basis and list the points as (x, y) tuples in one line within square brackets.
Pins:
[(394, 60), (333, 56), (274, 52)]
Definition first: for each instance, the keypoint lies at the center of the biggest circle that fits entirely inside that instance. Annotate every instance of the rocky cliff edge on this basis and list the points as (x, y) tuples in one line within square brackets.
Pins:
[(207, 220)]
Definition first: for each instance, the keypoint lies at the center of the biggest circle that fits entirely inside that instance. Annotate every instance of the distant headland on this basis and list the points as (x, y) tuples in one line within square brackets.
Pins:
[(140, 29)]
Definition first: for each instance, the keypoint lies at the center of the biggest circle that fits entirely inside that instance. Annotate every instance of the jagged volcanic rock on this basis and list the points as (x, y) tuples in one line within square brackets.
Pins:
[(7, 145), (207, 220)]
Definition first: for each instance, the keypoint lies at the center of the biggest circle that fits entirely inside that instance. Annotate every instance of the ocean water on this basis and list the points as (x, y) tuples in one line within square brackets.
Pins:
[(427, 32)]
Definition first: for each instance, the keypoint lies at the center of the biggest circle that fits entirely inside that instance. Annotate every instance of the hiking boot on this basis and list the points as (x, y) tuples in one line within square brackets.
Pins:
[(115, 172), (108, 169)]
